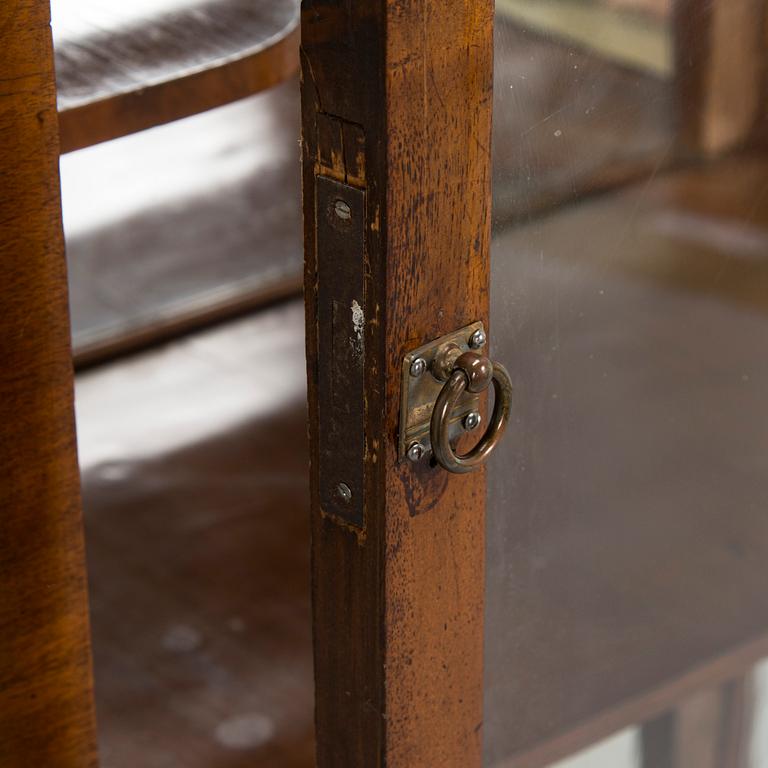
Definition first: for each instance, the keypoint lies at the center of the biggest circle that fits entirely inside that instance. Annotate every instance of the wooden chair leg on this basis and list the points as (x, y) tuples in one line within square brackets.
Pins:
[(46, 709)]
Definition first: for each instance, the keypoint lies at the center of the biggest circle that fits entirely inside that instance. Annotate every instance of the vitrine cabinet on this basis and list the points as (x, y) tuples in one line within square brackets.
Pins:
[(569, 195)]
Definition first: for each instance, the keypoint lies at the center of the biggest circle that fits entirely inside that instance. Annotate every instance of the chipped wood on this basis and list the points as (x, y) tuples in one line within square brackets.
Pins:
[(397, 101)]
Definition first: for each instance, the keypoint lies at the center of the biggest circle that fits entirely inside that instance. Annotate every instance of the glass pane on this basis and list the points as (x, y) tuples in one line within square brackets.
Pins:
[(627, 604)]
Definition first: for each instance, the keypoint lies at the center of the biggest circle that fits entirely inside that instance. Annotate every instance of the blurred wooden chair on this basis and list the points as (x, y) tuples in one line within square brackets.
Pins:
[(118, 73)]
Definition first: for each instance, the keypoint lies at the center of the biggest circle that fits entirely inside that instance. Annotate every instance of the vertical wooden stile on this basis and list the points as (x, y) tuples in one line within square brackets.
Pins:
[(397, 102)]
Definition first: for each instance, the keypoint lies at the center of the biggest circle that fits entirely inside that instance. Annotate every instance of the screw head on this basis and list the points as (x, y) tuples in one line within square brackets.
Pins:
[(415, 452), (342, 210), (478, 339), (472, 421), (418, 367), (344, 492)]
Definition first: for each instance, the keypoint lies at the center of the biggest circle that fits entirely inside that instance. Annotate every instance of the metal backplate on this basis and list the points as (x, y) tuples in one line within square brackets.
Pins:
[(419, 393), (341, 348)]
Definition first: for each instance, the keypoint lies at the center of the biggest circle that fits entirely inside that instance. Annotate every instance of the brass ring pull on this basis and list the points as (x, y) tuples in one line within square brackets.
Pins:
[(474, 373)]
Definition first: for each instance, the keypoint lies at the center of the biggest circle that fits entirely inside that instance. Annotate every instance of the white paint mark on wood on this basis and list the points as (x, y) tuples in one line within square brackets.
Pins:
[(358, 325)]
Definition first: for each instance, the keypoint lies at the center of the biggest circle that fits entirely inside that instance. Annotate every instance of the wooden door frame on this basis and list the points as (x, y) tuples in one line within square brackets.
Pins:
[(397, 98), (46, 703)]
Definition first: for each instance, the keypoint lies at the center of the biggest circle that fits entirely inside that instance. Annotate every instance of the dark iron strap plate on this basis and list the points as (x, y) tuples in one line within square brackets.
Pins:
[(341, 345)]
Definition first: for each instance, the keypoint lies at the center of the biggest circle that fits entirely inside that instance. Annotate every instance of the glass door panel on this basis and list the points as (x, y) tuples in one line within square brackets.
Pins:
[(627, 583)]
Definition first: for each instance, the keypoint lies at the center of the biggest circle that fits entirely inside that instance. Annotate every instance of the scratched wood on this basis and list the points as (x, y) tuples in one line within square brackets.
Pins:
[(397, 101), (46, 714), (118, 74)]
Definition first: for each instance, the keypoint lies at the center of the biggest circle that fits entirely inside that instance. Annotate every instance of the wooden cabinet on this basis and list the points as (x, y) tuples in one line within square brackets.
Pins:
[(593, 193)]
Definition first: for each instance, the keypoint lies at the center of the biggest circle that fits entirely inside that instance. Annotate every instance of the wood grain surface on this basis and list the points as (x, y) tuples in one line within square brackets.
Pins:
[(46, 714), (119, 72), (397, 101)]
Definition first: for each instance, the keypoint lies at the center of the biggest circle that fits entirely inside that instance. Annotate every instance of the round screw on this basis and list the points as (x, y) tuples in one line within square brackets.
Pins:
[(343, 211), (472, 421), (478, 339), (418, 367), (344, 492), (415, 452)]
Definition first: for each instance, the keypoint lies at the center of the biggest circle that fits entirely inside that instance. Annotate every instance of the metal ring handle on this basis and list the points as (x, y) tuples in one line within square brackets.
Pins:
[(457, 384)]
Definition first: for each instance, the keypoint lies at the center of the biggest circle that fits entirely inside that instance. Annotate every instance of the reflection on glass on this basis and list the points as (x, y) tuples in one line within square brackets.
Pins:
[(627, 526), (632, 32), (183, 216)]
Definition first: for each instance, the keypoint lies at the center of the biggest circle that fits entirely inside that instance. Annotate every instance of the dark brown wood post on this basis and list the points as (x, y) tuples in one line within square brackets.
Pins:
[(46, 713), (397, 101)]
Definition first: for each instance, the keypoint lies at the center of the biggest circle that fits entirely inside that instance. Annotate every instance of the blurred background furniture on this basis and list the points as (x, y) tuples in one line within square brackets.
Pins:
[(165, 231)]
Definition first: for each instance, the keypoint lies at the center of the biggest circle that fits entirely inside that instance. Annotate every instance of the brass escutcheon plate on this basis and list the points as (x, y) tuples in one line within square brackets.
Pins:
[(419, 393)]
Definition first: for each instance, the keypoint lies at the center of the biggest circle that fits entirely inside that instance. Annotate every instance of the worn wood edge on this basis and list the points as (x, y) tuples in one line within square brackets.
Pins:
[(192, 316), (398, 660), (46, 700), (638, 709), (347, 586), (163, 102)]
